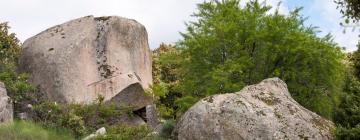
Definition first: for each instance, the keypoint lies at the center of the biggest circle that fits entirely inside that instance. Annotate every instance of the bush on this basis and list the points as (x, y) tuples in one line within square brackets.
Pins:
[(125, 132), (19, 90), (20, 130), (343, 133), (79, 119), (167, 129), (142, 132)]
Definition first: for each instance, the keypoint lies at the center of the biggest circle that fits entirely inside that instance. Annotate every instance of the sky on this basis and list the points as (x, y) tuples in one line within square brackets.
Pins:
[(163, 19)]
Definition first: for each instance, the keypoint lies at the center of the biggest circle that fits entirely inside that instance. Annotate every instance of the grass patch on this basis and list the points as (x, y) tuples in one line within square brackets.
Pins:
[(21, 130)]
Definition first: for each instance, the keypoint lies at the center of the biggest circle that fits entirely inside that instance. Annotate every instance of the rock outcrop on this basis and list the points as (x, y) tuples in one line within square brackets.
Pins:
[(6, 106), (262, 111), (79, 60)]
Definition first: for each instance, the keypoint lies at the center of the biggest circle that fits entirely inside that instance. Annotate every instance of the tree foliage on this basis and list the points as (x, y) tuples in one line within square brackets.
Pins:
[(16, 83), (356, 61), (166, 70), (350, 9), (348, 112), (347, 115), (228, 47), (9, 46)]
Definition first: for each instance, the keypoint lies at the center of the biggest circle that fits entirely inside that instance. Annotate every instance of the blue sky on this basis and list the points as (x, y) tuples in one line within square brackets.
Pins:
[(163, 19), (323, 14)]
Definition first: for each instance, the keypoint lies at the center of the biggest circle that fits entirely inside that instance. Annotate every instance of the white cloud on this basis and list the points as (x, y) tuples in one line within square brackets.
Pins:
[(162, 18), (330, 18), (330, 23)]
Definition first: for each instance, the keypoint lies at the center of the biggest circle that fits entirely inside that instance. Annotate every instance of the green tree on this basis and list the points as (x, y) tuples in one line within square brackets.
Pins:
[(350, 9), (16, 83), (348, 112), (166, 70), (347, 115), (9, 46), (229, 46), (356, 61)]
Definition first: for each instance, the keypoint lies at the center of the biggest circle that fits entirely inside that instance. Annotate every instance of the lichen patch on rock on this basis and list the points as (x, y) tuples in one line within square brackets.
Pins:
[(262, 111)]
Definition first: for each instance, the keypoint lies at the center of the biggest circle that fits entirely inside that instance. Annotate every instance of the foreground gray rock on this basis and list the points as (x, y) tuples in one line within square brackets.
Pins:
[(262, 111), (6, 106), (79, 60)]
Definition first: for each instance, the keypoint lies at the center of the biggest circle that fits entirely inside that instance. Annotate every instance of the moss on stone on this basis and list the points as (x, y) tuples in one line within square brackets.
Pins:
[(209, 99), (301, 136), (240, 102), (278, 115)]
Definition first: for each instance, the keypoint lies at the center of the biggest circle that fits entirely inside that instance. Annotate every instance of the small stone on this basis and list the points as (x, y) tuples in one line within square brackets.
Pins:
[(101, 131), (23, 116), (29, 106)]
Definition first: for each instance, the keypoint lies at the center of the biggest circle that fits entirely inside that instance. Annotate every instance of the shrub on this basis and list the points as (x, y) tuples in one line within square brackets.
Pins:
[(167, 129), (343, 133), (125, 132), (74, 122), (16, 83), (79, 119)]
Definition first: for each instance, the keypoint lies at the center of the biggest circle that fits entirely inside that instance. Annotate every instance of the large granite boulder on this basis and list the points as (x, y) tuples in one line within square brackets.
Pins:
[(6, 106), (79, 60), (262, 111)]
